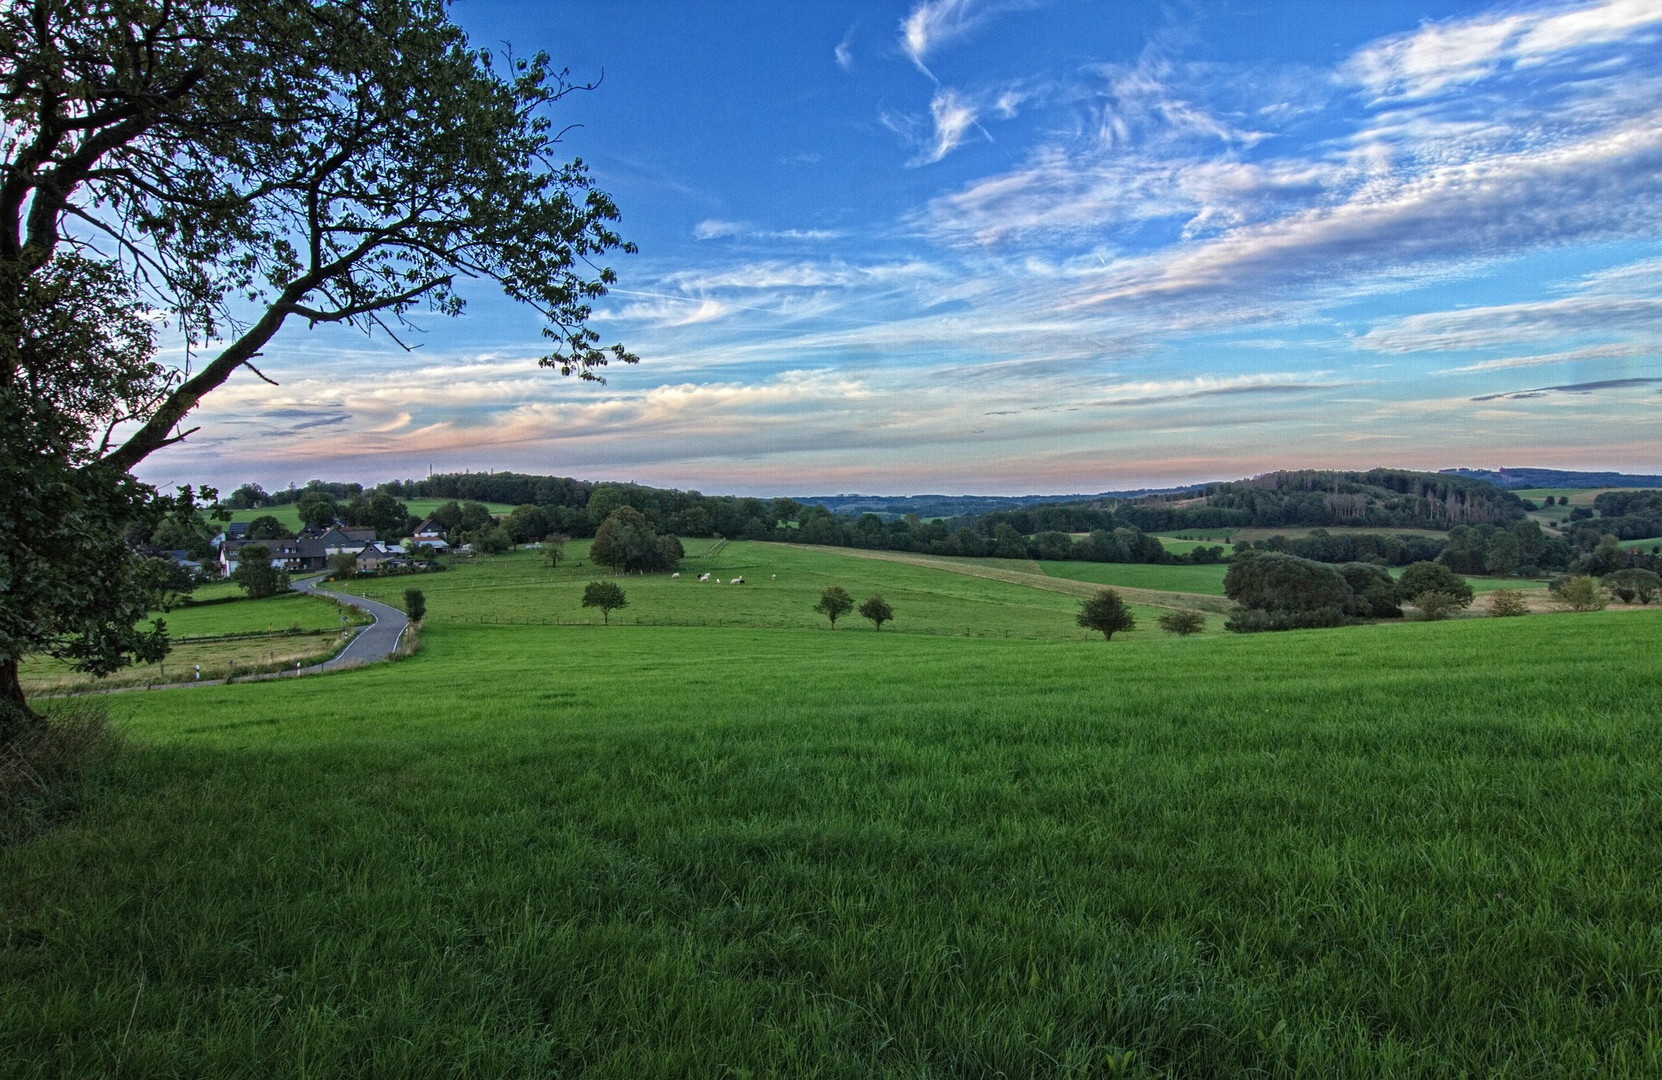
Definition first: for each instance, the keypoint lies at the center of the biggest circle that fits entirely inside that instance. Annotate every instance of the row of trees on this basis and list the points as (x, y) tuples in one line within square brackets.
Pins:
[(1284, 592)]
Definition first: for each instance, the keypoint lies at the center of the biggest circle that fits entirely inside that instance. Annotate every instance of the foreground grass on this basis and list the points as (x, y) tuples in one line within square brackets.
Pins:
[(1420, 850)]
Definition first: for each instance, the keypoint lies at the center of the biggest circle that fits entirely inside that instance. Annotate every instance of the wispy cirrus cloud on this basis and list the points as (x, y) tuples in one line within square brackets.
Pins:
[(933, 24), (1442, 56)]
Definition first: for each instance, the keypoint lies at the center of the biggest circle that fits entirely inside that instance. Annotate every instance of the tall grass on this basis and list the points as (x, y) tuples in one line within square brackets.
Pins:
[(1424, 850)]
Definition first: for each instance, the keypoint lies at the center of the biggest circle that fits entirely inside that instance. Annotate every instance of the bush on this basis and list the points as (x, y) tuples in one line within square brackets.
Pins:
[(1507, 602), (1253, 621), (1634, 585), (1374, 591), (1582, 593), (1433, 605), (1425, 577), (1270, 581), (1182, 623), (415, 604)]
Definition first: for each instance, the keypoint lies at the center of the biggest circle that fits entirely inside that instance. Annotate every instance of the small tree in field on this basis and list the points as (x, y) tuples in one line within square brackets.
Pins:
[(1504, 603), (605, 595), (834, 602), (343, 565), (1182, 623), (1106, 612), (255, 573), (878, 611), (415, 604), (553, 547)]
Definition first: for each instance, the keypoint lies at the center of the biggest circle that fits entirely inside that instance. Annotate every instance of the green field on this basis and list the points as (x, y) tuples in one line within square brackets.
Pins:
[(289, 513), (1207, 580), (747, 845)]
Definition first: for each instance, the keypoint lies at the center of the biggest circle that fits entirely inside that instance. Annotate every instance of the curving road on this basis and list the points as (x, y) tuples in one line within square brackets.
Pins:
[(373, 642)]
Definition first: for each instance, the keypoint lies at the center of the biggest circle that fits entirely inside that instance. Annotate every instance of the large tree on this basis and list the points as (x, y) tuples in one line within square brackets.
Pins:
[(238, 164)]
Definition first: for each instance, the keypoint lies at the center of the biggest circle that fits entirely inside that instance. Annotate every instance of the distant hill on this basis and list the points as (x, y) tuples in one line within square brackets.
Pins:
[(1555, 478), (933, 506)]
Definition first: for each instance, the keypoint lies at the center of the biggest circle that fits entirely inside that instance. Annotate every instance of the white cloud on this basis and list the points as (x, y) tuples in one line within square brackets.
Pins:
[(1439, 56), (953, 116), (715, 229)]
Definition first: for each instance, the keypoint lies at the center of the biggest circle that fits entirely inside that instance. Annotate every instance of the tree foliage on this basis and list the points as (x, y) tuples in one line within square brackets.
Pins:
[(834, 602), (608, 596), (877, 610), (1106, 613), (234, 166), (256, 574), (1429, 577), (415, 604), (1632, 585), (1507, 603), (626, 542), (267, 527), (1182, 623), (1582, 593)]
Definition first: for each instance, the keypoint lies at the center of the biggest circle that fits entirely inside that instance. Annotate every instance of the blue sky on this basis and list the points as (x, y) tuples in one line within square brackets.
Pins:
[(1018, 247)]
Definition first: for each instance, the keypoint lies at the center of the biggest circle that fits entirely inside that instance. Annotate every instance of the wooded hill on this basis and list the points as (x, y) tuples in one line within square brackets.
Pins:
[(1378, 498)]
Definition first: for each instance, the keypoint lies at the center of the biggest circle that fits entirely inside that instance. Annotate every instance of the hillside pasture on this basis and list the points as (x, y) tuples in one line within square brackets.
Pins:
[(670, 851), (782, 584)]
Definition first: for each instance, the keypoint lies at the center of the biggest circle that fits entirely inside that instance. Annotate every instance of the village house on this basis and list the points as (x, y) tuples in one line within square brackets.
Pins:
[(291, 555)]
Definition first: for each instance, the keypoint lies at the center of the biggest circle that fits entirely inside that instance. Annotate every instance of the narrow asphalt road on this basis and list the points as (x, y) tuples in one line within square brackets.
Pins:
[(373, 642)]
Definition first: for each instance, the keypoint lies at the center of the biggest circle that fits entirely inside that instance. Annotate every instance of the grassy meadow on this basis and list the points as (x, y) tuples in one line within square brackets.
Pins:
[(742, 844)]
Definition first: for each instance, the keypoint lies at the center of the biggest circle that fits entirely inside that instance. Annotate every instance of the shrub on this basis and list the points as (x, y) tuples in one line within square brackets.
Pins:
[(1633, 584), (1270, 581), (1374, 591), (1424, 577), (415, 604), (1582, 593), (1507, 602), (1253, 621), (1182, 623), (1434, 605)]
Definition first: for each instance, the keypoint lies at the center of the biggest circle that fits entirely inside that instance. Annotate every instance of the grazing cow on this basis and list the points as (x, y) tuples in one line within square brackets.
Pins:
[(676, 574), (736, 581), (704, 577), (775, 577)]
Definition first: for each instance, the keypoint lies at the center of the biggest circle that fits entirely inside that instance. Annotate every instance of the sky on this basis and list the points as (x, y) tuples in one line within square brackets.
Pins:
[(1044, 246)]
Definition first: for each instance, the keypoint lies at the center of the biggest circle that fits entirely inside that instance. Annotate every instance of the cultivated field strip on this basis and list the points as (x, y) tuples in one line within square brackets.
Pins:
[(1037, 579)]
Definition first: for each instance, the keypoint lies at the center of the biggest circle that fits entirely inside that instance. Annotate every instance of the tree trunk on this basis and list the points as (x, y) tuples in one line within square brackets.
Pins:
[(15, 715)]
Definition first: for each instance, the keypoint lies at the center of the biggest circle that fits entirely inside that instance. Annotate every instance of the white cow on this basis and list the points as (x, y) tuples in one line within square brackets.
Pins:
[(736, 581), (676, 574), (704, 577)]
